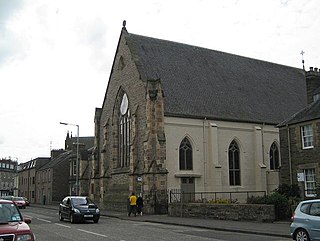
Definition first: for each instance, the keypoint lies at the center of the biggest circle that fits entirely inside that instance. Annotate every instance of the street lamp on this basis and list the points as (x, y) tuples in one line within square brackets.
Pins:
[(77, 161)]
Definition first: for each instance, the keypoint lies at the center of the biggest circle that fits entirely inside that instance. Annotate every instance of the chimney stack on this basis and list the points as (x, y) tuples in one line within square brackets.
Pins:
[(313, 83)]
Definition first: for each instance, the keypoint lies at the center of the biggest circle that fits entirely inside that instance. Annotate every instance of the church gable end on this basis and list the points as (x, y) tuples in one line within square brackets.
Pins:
[(131, 143)]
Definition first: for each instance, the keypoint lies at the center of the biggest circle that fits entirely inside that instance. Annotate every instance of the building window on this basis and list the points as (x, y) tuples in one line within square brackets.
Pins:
[(310, 182), (307, 136), (124, 133), (274, 157), (185, 155), (234, 164), (74, 167)]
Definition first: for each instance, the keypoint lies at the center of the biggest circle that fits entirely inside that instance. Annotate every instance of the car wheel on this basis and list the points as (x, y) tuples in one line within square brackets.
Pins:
[(302, 235), (72, 218), (60, 216), (96, 220)]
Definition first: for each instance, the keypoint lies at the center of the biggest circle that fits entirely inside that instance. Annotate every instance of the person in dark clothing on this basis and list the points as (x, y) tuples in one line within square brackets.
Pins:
[(139, 204)]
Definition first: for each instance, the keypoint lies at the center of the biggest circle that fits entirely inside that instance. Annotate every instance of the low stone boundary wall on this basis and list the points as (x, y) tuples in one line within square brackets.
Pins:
[(238, 212)]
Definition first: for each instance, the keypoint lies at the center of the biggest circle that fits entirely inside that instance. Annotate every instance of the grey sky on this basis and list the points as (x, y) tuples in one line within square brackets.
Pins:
[(56, 55)]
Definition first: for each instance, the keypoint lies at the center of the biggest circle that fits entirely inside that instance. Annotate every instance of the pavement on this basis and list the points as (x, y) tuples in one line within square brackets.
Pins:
[(276, 229)]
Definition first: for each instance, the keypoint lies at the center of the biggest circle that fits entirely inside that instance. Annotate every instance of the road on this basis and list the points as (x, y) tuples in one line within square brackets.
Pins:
[(46, 226)]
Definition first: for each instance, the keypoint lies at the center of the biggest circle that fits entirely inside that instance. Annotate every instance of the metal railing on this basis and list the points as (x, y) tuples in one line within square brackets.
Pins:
[(177, 195)]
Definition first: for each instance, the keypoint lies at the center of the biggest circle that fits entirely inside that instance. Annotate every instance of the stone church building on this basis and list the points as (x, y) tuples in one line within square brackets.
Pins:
[(181, 117)]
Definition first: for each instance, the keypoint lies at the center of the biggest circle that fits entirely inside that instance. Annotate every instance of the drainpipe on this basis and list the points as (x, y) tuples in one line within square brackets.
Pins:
[(262, 143), (289, 154), (204, 155)]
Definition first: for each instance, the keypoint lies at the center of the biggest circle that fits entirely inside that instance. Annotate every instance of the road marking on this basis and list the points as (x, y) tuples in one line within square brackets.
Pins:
[(44, 220), (62, 225), (98, 234)]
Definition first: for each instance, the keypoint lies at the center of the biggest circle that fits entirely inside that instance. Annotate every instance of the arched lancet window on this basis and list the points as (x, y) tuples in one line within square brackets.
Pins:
[(274, 157), (124, 133), (234, 164), (185, 155)]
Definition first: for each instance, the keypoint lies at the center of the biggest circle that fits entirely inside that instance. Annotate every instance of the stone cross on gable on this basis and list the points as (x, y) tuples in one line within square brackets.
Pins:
[(302, 53)]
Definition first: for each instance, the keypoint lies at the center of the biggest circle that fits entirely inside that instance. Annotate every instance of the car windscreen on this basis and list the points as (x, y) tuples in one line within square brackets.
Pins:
[(18, 199), (9, 213), (81, 201)]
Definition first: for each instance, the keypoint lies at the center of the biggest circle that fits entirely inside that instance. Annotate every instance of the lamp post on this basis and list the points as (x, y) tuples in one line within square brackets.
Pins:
[(77, 161)]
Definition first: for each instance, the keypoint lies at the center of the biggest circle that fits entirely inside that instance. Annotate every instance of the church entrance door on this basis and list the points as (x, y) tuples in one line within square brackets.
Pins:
[(188, 189)]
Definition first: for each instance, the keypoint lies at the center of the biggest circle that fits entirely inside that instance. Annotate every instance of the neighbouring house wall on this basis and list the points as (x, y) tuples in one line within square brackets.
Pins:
[(294, 158), (60, 178)]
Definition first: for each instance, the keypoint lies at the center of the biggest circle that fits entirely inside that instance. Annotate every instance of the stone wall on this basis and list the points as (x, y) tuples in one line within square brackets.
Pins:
[(236, 212)]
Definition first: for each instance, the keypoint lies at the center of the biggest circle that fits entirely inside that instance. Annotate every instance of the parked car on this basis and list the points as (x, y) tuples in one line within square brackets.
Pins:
[(305, 224), (12, 225), (20, 202), (27, 201), (78, 209)]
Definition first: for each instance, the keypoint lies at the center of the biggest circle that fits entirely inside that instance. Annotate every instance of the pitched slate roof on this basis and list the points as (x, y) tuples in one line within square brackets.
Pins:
[(311, 112), (88, 141), (199, 82), (63, 157), (34, 163)]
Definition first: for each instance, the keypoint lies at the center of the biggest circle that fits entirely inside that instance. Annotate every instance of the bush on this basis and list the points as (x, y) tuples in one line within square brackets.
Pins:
[(289, 190), (281, 205), (257, 200), (280, 202)]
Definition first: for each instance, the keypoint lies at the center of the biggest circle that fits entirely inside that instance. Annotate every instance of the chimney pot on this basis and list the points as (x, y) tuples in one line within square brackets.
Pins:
[(311, 68), (316, 69)]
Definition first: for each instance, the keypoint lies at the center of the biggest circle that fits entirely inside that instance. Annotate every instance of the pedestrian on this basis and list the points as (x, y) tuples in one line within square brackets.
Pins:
[(133, 204), (139, 204)]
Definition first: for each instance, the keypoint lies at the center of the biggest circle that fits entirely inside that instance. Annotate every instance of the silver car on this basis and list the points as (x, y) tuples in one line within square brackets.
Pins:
[(305, 224)]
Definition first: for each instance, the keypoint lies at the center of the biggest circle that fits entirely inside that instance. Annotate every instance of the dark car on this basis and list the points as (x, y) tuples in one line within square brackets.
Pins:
[(78, 209), (306, 221), (12, 226), (27, 201)]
